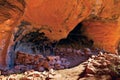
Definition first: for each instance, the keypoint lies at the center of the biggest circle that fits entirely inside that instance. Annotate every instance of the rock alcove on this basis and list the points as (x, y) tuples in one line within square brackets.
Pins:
[(33, 50), (48, 32)]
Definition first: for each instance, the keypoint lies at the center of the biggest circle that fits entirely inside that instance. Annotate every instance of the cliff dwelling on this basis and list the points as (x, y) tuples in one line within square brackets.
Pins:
[(59, 39)]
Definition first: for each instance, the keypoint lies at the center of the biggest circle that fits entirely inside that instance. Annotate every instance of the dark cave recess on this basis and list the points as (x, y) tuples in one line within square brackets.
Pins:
[(36, 42)]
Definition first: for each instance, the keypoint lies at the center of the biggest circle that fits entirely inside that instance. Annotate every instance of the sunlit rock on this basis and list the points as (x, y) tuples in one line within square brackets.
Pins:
[(100, 19)]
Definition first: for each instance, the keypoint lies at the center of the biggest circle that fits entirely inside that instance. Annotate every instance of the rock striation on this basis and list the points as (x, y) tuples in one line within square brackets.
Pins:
[(56, 19)]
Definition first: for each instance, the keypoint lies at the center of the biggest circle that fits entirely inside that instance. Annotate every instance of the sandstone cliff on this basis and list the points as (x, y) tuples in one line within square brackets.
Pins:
[(10, 14), (56, 19)]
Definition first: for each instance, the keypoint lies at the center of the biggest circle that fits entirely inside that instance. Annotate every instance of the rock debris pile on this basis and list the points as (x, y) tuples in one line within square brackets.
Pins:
[(103, 64), (37, 62), (100, 65), (35, 75), (64, 58)]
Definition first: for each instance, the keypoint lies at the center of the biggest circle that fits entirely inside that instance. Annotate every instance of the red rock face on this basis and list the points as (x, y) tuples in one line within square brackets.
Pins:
[(10, 14), (56, 18), (103, 25), (106, 35)]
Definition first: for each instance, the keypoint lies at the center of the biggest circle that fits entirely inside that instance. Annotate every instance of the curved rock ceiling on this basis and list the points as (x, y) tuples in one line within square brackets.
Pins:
[(56, 18)]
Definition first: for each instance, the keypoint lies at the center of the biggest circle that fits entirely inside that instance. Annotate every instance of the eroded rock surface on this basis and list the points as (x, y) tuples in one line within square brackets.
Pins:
[(57, 18), (10, 14), (104, 66)]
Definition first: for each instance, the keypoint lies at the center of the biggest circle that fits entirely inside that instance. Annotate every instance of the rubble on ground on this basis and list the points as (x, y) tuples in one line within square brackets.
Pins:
[(64, 58), (38, 62), (35, 75), (103, 64)]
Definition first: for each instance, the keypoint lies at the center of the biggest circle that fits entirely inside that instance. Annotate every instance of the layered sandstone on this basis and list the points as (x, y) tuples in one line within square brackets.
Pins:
[(106, 35), (57, 18), (10, 13)]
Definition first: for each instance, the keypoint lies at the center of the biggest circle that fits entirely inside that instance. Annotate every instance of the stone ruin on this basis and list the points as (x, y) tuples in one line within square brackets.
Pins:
[(56, 22)]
